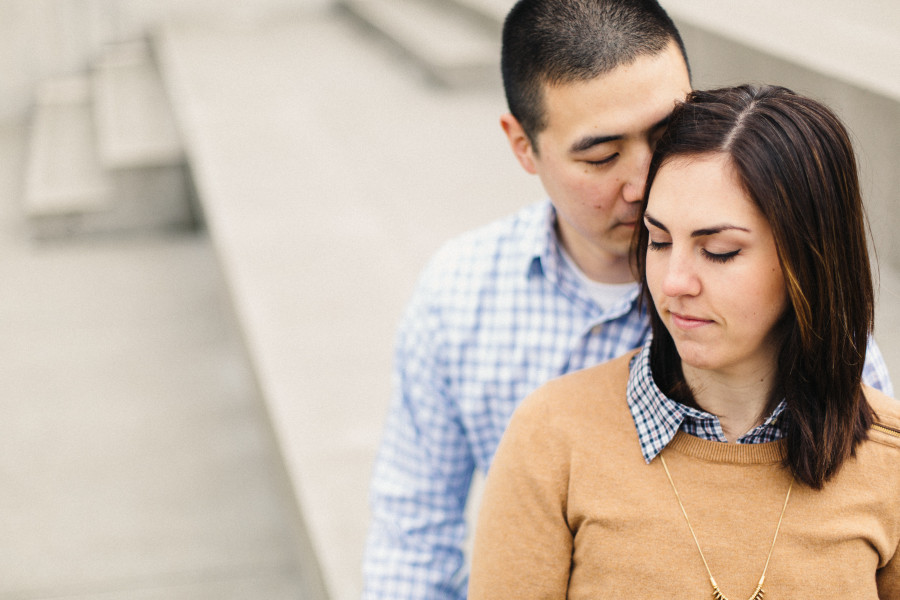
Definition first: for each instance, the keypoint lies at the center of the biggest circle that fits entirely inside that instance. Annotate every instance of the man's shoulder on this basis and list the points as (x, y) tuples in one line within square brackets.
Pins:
[(504, 244), (587, 394), (606, 379), (887, 416)]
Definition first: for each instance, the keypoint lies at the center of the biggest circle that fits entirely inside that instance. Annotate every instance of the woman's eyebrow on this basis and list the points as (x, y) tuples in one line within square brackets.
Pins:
[(716, 229), (698, 232), (655, 223)]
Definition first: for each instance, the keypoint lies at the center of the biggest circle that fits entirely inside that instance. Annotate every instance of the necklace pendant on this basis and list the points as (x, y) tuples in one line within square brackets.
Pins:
[(758, 594)]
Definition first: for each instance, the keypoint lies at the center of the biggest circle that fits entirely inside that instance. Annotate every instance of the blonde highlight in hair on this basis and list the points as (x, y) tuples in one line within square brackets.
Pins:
[(799, 304)]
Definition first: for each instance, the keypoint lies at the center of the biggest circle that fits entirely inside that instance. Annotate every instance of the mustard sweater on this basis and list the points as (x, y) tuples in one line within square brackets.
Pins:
[(572, 510)]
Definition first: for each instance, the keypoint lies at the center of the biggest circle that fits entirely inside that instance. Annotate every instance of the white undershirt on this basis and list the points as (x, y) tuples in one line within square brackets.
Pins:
[(606, 295)]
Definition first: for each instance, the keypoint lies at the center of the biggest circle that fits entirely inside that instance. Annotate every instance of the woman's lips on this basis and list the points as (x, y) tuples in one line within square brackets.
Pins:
[(687, 321)]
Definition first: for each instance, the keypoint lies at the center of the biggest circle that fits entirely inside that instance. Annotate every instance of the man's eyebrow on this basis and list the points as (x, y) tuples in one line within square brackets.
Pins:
[(589, 141), (699, 232)]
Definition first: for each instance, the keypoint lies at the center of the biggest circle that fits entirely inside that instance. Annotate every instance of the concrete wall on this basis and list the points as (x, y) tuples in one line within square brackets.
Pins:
[(873, 117), (44, 38)]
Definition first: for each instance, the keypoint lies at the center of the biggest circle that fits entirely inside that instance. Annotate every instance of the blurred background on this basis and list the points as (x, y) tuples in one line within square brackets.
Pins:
[(212, 214)]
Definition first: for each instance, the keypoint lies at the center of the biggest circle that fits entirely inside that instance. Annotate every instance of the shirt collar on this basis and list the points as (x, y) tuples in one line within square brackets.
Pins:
[(658, 418), (540, 241)]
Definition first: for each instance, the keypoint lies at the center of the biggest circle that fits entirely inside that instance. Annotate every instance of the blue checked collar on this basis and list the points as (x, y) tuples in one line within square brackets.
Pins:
[(658, 418), (539, 239)]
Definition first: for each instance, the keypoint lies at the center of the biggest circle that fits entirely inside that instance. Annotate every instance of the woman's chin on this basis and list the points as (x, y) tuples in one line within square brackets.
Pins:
[(697, 357)]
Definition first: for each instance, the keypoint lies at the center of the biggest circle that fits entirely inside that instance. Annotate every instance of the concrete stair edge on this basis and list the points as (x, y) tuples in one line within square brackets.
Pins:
[(440, 38), (133, 116), (64, 174), (72, 189)]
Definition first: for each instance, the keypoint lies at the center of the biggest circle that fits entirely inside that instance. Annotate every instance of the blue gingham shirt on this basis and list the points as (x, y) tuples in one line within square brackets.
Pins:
[(495, 314)]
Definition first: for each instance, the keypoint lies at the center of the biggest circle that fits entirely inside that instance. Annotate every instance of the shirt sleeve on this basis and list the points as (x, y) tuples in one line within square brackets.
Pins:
[(422, 474), (523, 544), (875, 371)]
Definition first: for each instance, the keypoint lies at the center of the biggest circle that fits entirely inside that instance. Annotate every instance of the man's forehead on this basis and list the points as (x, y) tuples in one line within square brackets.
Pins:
[(591, 109), (629, 100)]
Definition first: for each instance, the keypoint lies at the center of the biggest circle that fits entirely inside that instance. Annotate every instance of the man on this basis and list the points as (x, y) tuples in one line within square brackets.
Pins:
[(498, 311)]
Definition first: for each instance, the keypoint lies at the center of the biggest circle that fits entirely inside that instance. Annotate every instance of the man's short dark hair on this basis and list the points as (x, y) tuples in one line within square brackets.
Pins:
[(551, 42)]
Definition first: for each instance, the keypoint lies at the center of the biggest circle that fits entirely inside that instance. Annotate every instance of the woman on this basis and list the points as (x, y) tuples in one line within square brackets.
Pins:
[(624, 481)]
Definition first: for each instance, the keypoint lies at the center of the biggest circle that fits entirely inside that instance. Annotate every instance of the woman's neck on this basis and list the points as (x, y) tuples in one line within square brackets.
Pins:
[(738, 400)]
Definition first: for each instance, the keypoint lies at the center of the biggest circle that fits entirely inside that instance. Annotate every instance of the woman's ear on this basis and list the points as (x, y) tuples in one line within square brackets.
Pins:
[(519, 142)]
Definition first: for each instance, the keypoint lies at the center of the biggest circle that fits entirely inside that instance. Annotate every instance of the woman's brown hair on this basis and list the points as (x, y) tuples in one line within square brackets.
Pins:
[(795, 160)]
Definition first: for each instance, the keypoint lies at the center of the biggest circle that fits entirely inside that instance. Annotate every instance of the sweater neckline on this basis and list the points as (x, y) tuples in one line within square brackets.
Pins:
[(720, 452)]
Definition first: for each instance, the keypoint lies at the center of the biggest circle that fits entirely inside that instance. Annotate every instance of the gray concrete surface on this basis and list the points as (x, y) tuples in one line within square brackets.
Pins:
[(136, 457)]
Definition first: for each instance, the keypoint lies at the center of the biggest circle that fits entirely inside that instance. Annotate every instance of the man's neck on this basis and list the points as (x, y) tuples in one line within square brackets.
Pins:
[(597, 264)]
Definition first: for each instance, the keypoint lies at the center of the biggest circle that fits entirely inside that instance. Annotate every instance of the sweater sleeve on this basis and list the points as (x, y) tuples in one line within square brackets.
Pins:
[(523, 544)]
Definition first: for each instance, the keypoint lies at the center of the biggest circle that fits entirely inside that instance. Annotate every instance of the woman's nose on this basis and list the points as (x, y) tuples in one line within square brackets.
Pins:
[(681, 278)]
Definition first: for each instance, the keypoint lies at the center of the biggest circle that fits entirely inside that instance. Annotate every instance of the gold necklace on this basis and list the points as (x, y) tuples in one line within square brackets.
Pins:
[(759, 593)]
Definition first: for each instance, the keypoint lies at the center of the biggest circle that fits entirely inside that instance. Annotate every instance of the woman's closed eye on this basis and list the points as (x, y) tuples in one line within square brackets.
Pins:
[(717, 257), (720, 257)]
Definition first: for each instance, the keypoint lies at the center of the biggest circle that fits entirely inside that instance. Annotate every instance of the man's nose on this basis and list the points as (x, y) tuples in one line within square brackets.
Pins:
[(636, 179)]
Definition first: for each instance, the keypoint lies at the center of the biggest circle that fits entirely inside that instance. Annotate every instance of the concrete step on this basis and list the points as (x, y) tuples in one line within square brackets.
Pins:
[(135, 124), (105, 155), (139, 142), (451, 47), (64, 175)]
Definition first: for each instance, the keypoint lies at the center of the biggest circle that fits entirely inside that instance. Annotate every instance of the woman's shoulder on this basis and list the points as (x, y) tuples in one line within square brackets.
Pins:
[(584, 412)]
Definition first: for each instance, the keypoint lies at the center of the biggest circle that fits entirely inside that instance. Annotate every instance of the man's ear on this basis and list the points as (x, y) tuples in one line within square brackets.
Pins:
[(519, 142)]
